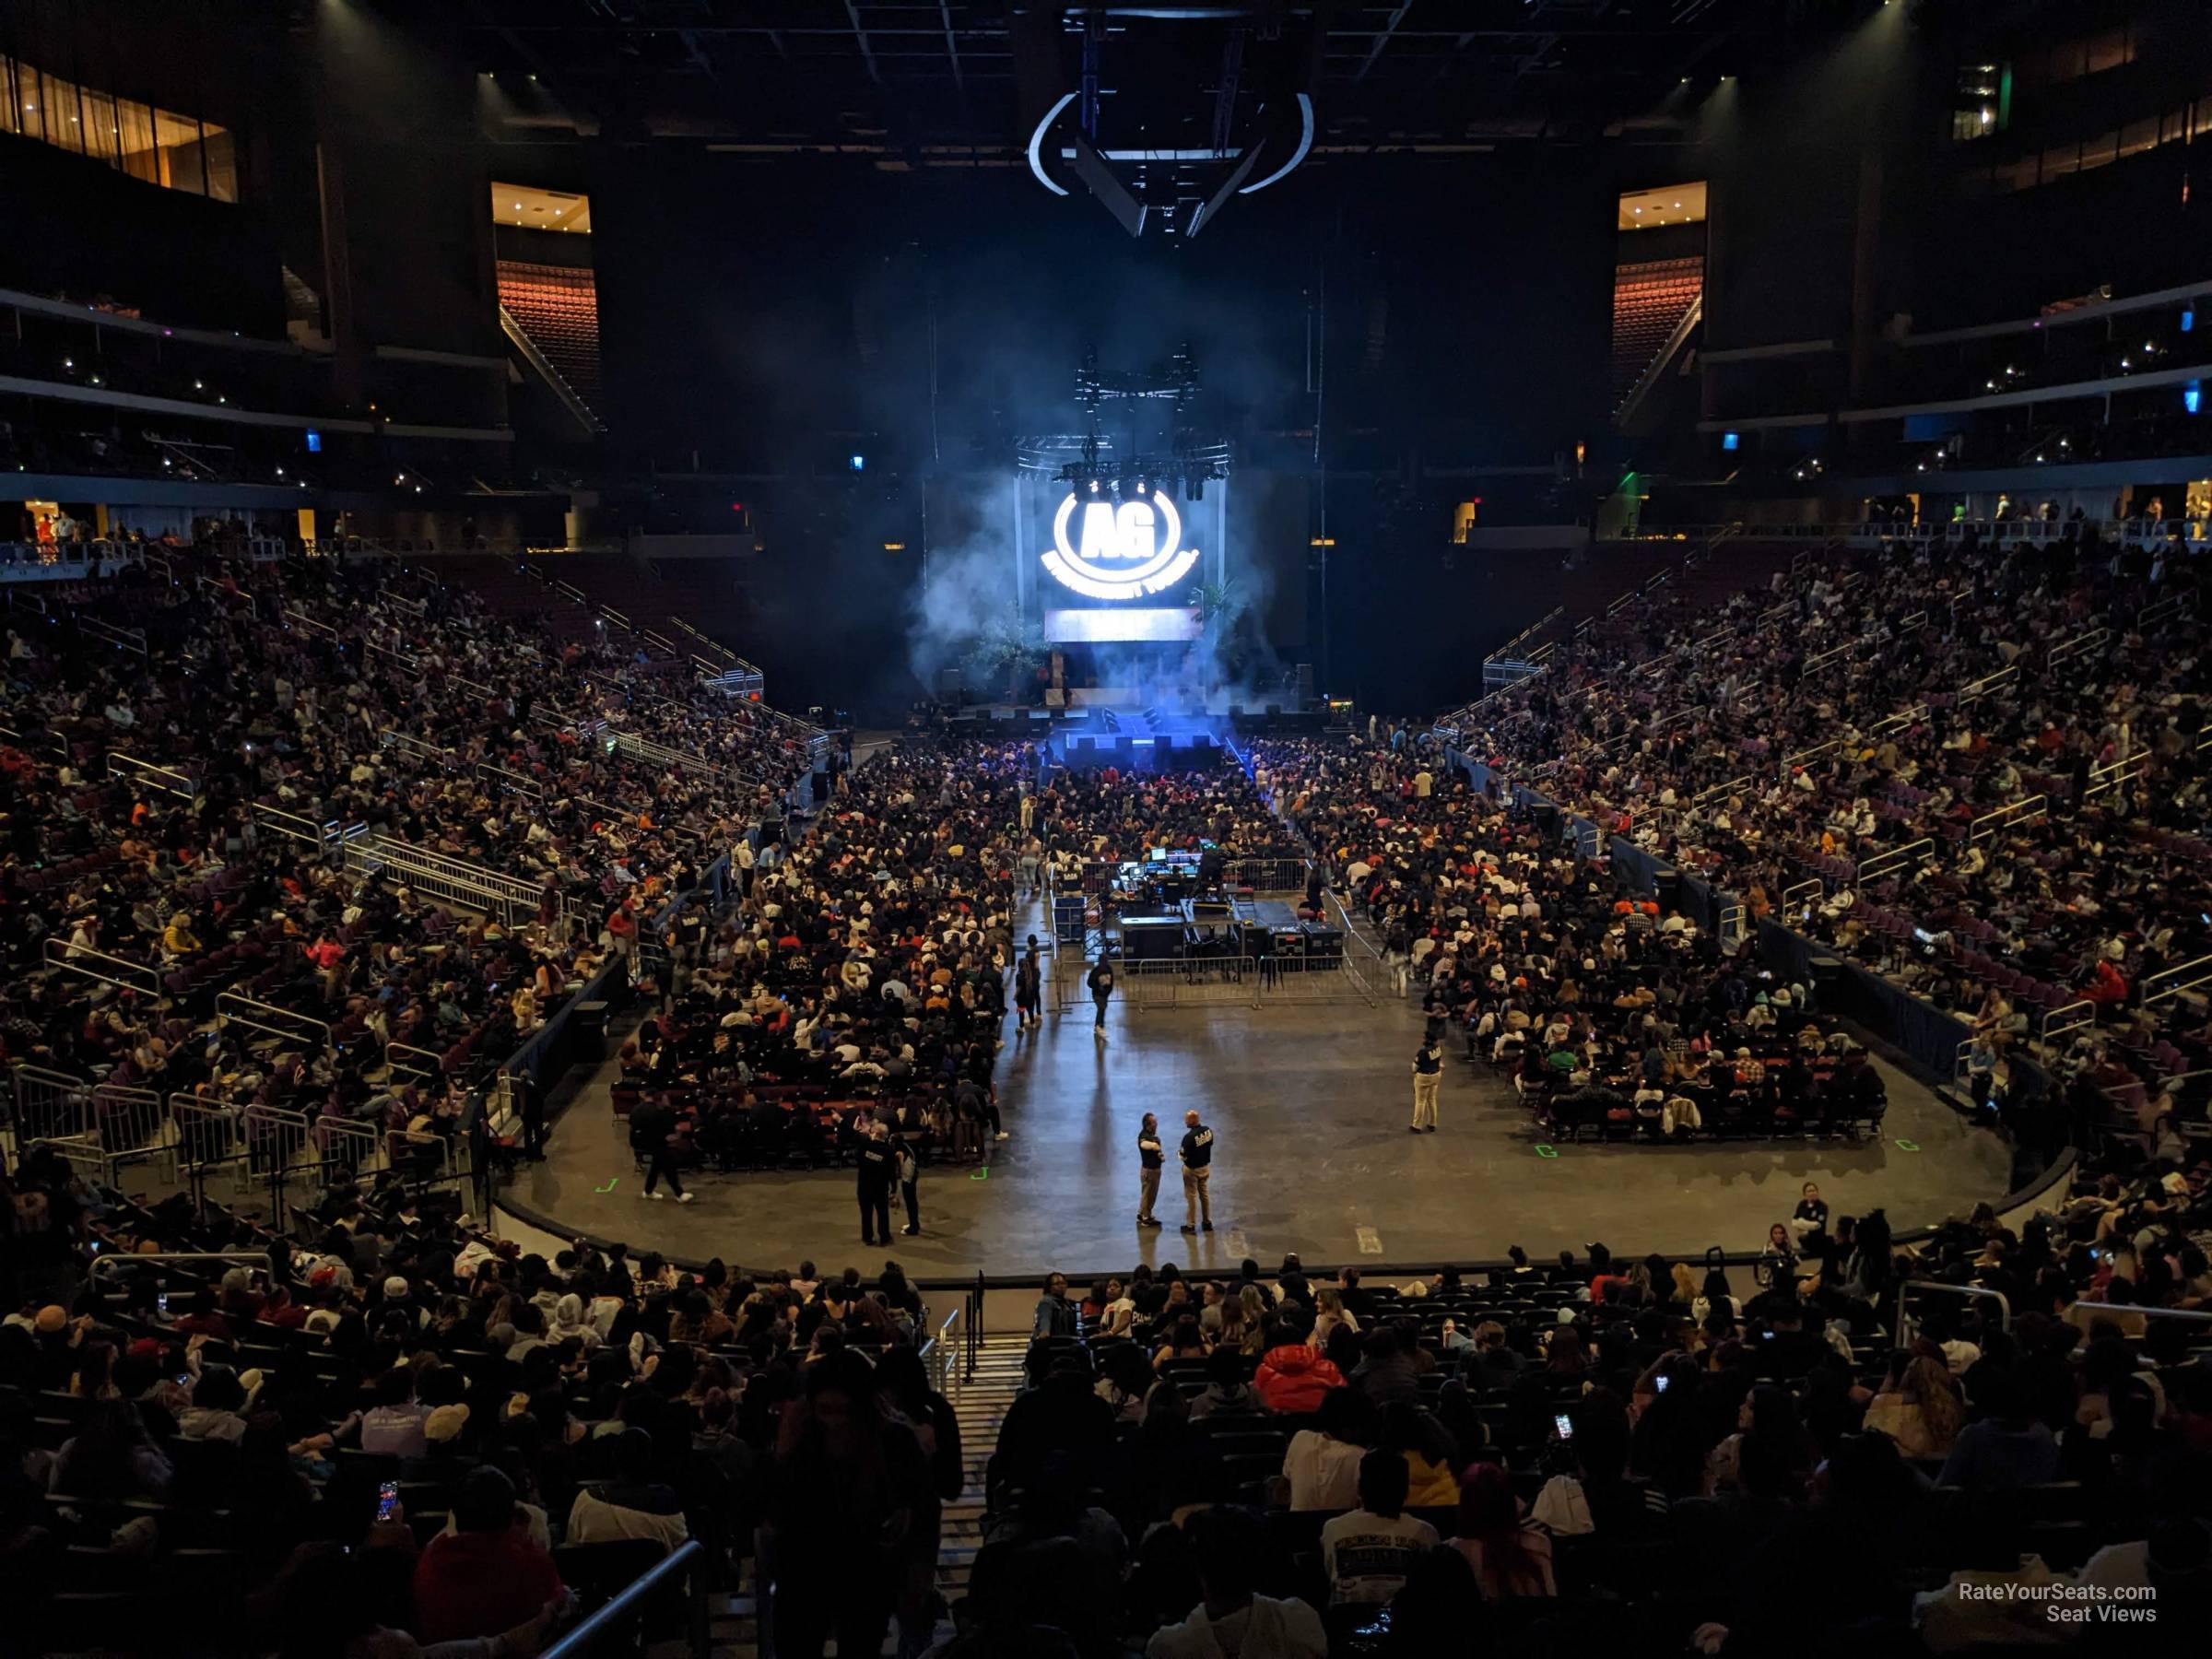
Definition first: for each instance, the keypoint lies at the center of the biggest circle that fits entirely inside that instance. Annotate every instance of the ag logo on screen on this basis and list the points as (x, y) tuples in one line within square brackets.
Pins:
[(1119, 550)]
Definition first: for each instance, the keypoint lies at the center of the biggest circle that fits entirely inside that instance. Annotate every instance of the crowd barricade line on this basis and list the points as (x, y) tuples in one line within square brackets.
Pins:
[(87, 963), (2177, 981), (2003, 818), (236, 1008)]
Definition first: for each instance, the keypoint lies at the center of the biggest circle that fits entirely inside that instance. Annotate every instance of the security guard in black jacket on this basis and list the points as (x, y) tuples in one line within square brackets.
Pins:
[(878, 1169)]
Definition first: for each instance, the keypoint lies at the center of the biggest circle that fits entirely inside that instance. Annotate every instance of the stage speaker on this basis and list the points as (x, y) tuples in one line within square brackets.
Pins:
[(1666, 884), (1828, 978)]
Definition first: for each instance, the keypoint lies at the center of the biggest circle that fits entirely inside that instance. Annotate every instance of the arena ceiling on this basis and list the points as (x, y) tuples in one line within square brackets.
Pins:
[(1439, 75)]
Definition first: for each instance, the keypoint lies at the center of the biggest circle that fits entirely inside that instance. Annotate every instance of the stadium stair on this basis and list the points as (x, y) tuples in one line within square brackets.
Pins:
[(980, 1404)]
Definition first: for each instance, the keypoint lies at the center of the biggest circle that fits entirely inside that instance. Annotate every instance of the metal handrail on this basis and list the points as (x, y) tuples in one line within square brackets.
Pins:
[(1904, 1324), (1974, 689), (577, 1642), (2087, 640), (938, 1351), (2003, 818), (1881, 864), (234, 1007), (576, 408), (105, 1266), (141, 977), (2199, 968), (432, 1070), (289, 824), (167, 778), (2078, 1014)]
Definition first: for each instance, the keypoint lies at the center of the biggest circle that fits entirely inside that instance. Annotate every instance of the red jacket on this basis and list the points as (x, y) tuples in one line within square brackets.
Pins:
[(1293, 1379), (479, 1584)]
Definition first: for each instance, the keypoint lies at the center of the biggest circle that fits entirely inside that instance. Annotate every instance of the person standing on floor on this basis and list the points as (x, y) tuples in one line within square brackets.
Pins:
[(1428, 1077), (876, 1171), (1198, 1169), (1029, 988), (1102, 988), (1150, 1157), (908, 1167), (652, 1137)]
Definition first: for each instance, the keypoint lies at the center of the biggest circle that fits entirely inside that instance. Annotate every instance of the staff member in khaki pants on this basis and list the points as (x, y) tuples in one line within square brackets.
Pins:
[(1149, 1157), (1428, 1077), (1197, 1168)]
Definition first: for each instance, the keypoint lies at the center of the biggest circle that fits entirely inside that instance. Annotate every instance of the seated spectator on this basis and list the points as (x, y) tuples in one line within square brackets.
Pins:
[(1509, 1557), (1294, 1375), (1321, 1464), (394, 1426), (2006, 1446), (1368, 1553), (1232, 1618), (631, 1505), (486, 1576), (1918, 1407), (1226, 1388)]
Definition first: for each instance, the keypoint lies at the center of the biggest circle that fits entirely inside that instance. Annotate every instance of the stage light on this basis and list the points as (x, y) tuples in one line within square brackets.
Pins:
[(2193, 396), (857, 463), (1094, 487), (1732, 441)]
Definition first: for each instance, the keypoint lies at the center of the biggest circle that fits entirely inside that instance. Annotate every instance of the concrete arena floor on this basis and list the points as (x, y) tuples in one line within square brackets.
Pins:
[(1310, 1105)]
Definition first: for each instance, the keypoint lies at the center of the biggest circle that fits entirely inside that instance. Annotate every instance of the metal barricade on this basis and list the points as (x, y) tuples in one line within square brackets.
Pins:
[(2087, 640), (2003, 818), (1736, 922), (1298, 977), (499, 777), (274, 1137), (132, 1123), (1189, 981), (209, 1134), (1907, 1325), (145, 774), (1809, 891), (414, 1065), (419, 1158), (296, 617), (122, 639), (290, 825), (353, 1146), (1988, 683), (416, 749), (1882, 863), (478, 887), (141, 977), (236, 1008), (2173, 982), (2068, 1017), (1265, 874), (50, 1105), (941, 1354), (2115, 773), (115, 1266)]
